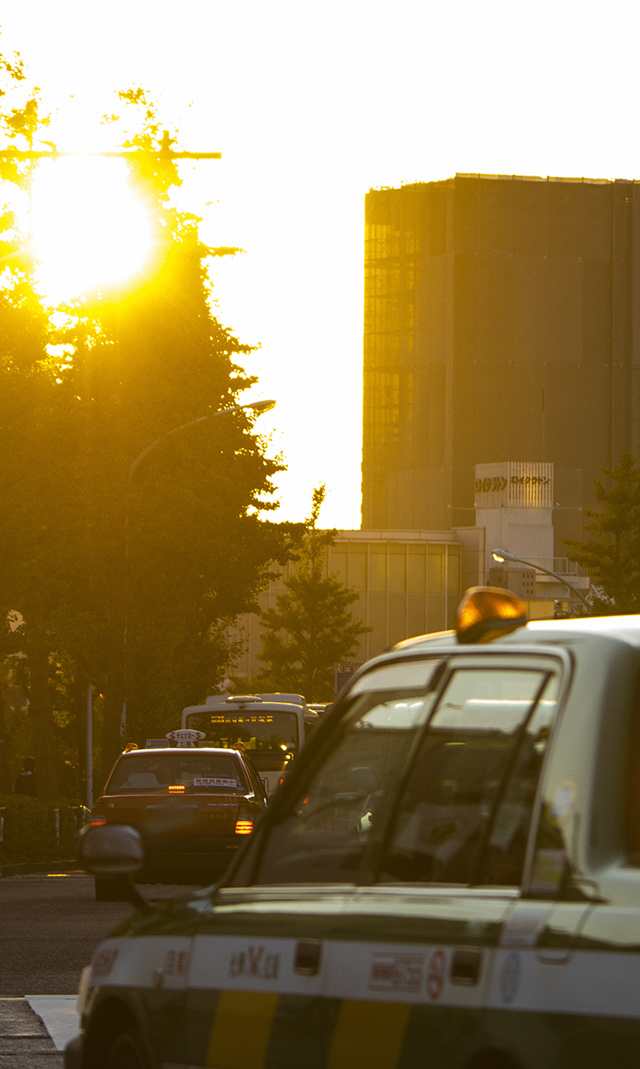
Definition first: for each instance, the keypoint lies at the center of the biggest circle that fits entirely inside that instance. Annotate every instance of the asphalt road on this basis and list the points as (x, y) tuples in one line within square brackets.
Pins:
[(49, 928), (50, 925)]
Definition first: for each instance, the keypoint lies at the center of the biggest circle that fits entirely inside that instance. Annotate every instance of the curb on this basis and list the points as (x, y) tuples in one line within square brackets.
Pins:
[(35, 867)]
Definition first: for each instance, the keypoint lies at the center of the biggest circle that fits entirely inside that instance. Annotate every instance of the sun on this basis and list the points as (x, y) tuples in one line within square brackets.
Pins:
[(89, 230)]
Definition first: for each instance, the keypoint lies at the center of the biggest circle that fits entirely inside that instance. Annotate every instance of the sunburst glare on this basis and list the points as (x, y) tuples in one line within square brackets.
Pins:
[(89, 230)]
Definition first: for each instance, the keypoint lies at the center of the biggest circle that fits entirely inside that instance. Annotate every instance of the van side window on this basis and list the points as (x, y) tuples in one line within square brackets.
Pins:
[(632, 788), (465, 812), (327, 831)]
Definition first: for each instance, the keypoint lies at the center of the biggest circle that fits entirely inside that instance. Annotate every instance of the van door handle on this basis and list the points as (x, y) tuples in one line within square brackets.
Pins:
[(308, 957), (465, 966)]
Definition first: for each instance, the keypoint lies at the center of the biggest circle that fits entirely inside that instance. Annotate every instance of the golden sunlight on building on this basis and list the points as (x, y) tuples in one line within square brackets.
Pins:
[(408, 583)]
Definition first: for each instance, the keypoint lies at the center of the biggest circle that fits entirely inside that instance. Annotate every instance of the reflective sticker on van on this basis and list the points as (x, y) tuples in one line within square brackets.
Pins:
[(396, 972), (548, 870), (509, 978), (563, 801)]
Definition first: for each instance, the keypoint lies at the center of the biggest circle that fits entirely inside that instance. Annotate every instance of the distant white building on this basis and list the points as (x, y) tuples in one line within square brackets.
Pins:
[(514, 503), (410, 582)]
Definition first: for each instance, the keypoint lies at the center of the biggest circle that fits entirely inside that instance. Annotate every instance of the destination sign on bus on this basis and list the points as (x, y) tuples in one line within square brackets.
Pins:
[(224, 719)]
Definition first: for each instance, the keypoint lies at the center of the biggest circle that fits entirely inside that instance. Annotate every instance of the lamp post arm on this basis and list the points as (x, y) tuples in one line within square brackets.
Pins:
[(257, 406), (175, 430), (502, 555)]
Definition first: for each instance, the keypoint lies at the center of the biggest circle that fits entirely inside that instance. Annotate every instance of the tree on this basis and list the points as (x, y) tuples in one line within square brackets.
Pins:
[(612, 554), (26, 396), (125, 579), (311, 627)]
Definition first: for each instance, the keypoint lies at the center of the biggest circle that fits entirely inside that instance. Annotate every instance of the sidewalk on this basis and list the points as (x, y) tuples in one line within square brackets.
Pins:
[(25, 1040)]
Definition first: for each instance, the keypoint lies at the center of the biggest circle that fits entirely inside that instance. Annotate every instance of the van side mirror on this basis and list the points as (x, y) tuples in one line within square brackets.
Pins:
[(110, 850), (114, 850)]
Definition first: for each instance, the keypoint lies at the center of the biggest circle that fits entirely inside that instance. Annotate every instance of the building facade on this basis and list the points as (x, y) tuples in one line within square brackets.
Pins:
[(501, 325), (408, 583)]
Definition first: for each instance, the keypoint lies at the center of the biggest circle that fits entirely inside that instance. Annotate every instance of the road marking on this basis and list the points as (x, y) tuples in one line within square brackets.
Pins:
[(59, 1014)]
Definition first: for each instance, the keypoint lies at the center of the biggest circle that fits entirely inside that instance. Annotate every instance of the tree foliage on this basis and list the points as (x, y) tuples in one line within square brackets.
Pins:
[(125, 548), (612, 553), (311, 628)]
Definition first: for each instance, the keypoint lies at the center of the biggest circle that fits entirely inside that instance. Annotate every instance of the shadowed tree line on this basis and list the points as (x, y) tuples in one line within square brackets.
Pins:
[(121, 579), (311, 626), (611, 553)]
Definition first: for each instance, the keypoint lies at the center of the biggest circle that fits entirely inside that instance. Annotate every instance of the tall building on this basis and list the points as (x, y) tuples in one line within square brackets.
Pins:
[(502, 325)]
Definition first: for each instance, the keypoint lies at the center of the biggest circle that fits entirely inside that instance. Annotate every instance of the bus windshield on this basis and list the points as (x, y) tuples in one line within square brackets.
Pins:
[(273, 732)]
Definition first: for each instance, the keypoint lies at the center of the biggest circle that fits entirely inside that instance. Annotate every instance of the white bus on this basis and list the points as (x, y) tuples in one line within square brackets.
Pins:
[(271, 728)]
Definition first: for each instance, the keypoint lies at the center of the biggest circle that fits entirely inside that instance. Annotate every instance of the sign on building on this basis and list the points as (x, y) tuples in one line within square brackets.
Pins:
[(514, 484)]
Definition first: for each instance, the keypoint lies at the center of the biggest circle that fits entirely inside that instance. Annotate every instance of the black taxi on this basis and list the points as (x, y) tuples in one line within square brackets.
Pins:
[(449, 876)]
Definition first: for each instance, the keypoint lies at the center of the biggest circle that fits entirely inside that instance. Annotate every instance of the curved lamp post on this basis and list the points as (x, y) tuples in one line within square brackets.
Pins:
[(502, 555), (256, 406)]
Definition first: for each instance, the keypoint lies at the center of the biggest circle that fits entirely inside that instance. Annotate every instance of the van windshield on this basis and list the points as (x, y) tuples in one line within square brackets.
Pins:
[(266, 732)]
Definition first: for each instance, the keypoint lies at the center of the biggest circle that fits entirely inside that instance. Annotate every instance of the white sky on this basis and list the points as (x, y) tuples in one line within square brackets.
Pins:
[(311, 106)]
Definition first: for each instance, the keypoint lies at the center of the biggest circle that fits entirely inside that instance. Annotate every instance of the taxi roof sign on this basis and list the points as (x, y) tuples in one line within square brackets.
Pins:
[(185, 736)]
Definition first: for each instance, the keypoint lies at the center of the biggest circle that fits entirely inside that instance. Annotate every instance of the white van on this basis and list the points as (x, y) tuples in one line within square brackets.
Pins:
[(271, 728)]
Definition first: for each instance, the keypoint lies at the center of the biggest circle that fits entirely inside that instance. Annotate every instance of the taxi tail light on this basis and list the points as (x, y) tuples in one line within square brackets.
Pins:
[(244, 826), (244, 821), (96, 822)]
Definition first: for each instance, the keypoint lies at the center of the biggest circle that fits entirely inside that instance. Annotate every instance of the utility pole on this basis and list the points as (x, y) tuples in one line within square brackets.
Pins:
[(165, 152)]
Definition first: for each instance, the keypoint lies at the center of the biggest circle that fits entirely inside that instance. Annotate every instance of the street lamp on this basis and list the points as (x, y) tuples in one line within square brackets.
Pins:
[(501, 555), (256, 406)]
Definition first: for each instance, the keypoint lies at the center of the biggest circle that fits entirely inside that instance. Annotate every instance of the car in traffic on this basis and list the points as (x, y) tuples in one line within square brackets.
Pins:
[(449, 876), (271, 728), (320, 707), (193, 807)]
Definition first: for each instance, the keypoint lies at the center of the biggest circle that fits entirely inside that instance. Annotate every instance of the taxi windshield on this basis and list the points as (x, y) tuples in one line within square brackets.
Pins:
[(274, 732), (192, 769)]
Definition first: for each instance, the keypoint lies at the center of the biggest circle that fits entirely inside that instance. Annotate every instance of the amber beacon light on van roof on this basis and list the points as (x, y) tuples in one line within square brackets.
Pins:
[(486, 613)]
